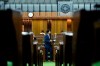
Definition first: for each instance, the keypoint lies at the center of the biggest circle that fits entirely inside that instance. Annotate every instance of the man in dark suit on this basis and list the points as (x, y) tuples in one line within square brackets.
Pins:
[(48, 45)]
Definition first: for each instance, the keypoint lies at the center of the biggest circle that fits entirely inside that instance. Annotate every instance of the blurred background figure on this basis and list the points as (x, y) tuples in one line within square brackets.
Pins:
[(42, 32), (62, 32), (35, 41)]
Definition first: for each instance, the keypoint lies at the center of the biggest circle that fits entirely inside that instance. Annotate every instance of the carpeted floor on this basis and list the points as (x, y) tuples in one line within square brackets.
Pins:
[(9, 63), (52, 64), (96, 64), (44, 63), (48, 63)]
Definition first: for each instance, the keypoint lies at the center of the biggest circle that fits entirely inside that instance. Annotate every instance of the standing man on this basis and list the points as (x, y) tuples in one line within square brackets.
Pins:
[(48, 46)]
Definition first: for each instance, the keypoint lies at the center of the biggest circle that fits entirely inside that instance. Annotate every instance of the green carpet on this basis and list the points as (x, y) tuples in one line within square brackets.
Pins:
[(48, 63), (96, 64), (44, 63), (9, 63), (52, 64)]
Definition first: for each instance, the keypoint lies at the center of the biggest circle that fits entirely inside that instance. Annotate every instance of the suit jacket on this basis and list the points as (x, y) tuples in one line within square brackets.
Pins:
[(47, 40)]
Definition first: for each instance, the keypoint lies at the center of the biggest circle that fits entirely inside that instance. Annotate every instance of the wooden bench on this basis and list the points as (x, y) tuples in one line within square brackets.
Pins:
[(38, 54), (58, 56), (11, 38), (27, 48), (84, 38), (67, 50), (40, 39), (58, 40)]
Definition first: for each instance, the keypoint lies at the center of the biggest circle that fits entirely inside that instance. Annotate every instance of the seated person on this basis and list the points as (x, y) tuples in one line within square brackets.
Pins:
[(42, 32), (35, 40)]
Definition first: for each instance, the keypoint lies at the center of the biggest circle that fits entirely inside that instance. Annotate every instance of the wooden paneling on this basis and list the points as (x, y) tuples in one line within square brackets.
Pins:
[(51, 17), (44, 25), (56, 26), (54, 14), (38, 26), (27, 25), (42, 14), (76, 19), (25, 14), (59, 26), (48, 14), (34, 26), (22, 28), (53, 27), (64, 25), (36, 14)]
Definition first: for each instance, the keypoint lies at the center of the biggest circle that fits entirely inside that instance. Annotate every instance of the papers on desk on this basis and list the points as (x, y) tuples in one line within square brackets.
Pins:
[(54, 40), (27, 33), (35, 42), (61, 42)]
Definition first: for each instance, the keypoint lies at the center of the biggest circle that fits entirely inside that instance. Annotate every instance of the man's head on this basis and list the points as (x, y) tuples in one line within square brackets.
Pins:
[(48, 32), (42, 31)]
